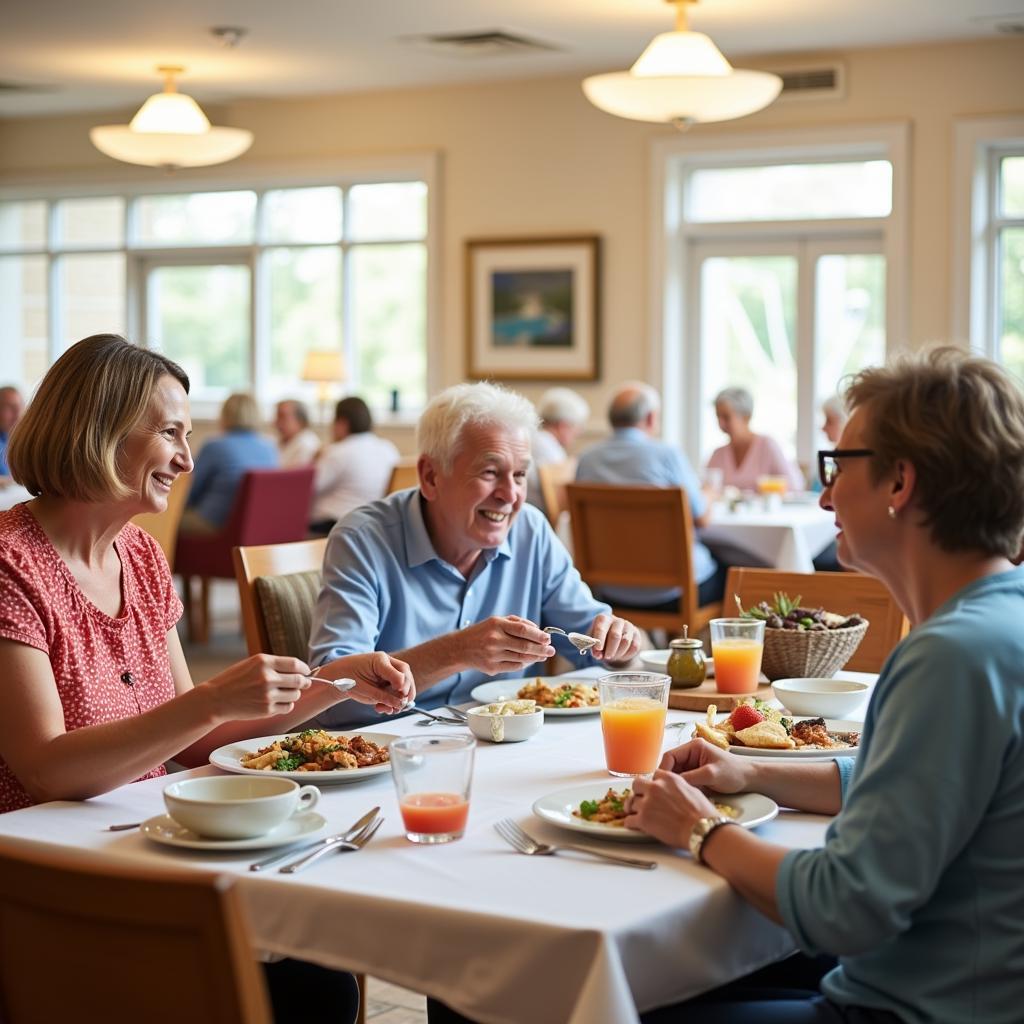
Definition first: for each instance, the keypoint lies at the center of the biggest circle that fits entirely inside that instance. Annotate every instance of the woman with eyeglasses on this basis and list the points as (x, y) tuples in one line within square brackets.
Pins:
[(917, 890)]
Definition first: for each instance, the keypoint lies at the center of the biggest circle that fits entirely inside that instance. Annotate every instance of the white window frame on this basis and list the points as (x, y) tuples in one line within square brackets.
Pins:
[(672, 298), (978, 146), (345, 173)]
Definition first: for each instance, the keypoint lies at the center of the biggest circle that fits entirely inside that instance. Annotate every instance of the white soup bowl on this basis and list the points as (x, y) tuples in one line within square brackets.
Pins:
[(820, 698)]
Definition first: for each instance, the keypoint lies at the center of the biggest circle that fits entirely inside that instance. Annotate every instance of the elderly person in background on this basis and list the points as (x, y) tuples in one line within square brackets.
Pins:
[(10, 412), (563, 415), (634, 455), (747, 456), (298, 443), (916, 889), (353, 470), (835, 418), (223, 461), (457, 577), (96, 690)]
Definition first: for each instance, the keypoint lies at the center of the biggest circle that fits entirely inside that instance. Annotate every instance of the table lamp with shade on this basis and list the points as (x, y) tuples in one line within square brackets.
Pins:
[(324, 367)]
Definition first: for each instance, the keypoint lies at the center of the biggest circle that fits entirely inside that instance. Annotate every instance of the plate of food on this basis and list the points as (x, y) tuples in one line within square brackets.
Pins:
[(756, 729), (557, 695), (597, 810), (312, 755)]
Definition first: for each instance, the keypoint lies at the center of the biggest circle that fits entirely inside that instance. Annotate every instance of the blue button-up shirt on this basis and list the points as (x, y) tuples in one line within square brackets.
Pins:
[(385, 588), (630, 456), (4, 471)]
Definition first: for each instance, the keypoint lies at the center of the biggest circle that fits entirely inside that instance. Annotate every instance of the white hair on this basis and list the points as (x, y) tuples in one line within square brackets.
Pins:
[(740, 400), (563, 405), (439, 431)]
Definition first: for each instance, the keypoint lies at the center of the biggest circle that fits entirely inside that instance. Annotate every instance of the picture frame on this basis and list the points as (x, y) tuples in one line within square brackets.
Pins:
[(533, 308)]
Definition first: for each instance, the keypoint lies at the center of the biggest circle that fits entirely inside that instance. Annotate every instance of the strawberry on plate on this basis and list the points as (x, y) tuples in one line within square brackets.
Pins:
[(744, 716)]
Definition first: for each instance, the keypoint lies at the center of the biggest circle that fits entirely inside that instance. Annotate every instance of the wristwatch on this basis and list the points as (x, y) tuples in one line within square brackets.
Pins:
[(702, 830)]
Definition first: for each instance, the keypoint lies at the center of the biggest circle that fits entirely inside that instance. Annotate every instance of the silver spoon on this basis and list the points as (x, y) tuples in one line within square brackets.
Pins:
[(341, 685), (580, 641)]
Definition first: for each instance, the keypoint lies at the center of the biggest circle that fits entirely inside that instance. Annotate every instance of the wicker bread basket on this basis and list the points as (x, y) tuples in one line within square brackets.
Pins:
[(806, 653)]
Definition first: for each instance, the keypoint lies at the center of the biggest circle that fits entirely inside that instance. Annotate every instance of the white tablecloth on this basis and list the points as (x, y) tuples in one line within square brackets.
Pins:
[(786, 538), (501, 937)]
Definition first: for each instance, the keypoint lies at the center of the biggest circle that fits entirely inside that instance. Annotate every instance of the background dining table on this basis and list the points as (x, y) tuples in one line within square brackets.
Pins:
[(502, 937), (785, 535)]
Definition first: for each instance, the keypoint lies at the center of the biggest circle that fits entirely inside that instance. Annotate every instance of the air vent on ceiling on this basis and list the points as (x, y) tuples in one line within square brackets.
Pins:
[(811, 81), (492, 43)]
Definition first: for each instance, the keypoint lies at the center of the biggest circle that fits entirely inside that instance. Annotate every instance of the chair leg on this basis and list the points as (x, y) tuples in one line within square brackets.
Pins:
[(361, 983), (203, 625)]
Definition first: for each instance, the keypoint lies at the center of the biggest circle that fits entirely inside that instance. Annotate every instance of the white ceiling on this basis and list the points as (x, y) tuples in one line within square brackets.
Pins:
[(101, 54)]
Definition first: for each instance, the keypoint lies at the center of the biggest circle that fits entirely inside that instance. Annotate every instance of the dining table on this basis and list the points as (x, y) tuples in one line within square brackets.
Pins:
[(785, 535), (501, 937)]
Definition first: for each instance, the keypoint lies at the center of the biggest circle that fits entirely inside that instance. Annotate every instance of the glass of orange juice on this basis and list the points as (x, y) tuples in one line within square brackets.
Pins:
[(633, 706), (737, 646), (432, 778)]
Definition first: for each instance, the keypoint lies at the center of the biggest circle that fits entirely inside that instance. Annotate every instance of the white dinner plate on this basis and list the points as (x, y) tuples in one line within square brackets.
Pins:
[(506, 689), (164, 829), (657, 661), (557, 808), (833, 725), (229, 758)]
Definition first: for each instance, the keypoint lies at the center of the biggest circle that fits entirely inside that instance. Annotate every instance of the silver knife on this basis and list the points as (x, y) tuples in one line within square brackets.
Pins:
[(346, 836), (356, 844)]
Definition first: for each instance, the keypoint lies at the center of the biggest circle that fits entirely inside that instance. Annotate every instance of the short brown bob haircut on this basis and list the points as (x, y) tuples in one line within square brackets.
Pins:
[(240, 412), (959, 419), (67, 442)]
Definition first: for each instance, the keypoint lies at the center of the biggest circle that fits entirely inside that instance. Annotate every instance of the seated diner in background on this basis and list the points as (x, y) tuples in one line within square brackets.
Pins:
[(563, 416), (457, 577), (97, 692), (635, 455), (223, 461), (748, 456), (298, 443), (915, 890), (10, 413)]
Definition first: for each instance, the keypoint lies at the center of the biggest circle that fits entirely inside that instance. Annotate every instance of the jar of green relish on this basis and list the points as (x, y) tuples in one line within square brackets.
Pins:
[(686, 664)]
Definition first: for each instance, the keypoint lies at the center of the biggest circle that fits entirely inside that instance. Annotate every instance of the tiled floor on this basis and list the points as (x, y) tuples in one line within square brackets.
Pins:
[(385, 1004)]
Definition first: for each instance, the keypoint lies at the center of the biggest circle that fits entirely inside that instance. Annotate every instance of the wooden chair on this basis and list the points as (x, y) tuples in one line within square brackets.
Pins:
[(843, 592), (265, 560), (287, 565), (638, 537), (159, 944), (404, 474), (271, 507), (554, 477), (163, 526)]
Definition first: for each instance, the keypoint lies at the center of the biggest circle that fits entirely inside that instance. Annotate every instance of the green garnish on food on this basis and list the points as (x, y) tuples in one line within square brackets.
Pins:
[(563, 698), (288, 764), (588, 808)]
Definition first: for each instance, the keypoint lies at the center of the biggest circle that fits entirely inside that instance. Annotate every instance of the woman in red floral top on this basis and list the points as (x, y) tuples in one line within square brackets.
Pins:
[(96, 692)]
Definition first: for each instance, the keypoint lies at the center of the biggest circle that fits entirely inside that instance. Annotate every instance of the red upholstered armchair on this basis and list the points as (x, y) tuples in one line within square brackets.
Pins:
[(271, 507)]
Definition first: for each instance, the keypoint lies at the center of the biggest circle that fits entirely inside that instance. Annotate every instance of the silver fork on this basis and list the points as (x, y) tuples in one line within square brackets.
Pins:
[(580, 641), (356, 844), (524, 843), (441, 719), (351, 833)]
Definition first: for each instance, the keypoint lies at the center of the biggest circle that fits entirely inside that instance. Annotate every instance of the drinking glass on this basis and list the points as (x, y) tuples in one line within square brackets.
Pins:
[(737, 646), (633, 706), (432, 779)]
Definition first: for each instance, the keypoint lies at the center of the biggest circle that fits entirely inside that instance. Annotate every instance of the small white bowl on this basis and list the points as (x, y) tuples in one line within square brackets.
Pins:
[(511, 728), (821, 698), (655, 661)]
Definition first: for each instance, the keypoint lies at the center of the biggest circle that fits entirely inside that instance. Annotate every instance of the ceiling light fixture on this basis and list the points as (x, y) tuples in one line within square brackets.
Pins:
[(170, 130), (682, 79)]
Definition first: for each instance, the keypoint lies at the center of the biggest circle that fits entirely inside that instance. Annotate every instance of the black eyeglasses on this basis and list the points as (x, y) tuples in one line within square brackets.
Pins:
[(828, 462)]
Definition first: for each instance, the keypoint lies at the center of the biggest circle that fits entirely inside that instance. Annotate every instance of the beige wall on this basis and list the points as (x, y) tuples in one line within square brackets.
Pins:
[(535, 157)]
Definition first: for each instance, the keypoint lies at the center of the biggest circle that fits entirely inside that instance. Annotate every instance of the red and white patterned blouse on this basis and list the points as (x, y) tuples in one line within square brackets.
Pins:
[(106, 669)]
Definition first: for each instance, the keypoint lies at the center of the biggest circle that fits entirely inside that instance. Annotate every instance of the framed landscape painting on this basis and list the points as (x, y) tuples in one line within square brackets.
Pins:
[(532, 308)]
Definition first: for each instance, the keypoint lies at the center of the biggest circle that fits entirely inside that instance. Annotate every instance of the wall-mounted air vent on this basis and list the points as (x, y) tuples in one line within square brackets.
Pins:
[(492, 43), (811, 81)]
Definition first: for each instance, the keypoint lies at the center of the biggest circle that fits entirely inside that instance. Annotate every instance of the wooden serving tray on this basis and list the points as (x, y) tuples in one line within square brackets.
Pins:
[(699, 697)]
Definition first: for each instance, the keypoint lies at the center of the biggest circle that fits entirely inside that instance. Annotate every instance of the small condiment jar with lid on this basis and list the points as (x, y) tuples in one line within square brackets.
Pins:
[(686, 663)]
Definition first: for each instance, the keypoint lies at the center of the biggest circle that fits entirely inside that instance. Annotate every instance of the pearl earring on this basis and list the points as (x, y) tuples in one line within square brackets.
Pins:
[(892, 512)]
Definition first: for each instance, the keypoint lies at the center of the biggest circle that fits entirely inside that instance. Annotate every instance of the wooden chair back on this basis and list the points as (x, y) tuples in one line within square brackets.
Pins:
[(638, 537), (163, 526), (269, 560), (159, 944), (404, 474), (554, 477), (843, 592)]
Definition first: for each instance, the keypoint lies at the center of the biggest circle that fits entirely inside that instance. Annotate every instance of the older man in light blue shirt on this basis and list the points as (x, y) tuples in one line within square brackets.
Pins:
[(634, 455), (456, 577)]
